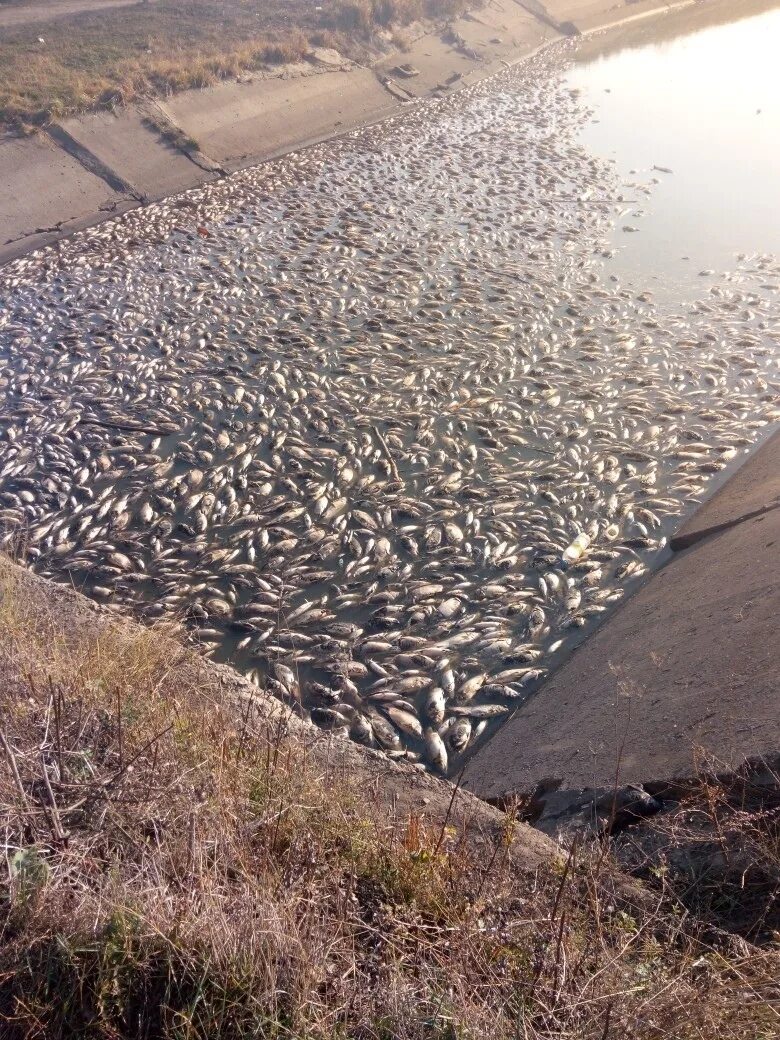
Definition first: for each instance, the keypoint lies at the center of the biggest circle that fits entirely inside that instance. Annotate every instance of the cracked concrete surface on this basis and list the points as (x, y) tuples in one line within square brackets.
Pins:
[(43, 187)]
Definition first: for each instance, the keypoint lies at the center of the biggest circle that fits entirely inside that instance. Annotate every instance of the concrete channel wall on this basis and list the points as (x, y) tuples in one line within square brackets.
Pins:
[(686, 674), (91, 168)]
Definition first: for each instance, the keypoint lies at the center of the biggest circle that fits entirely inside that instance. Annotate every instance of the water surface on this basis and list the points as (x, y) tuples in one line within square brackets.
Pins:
[(704, 101)]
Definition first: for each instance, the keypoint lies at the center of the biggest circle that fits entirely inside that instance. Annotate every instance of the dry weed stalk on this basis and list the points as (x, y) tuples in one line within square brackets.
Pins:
[(172, 870)]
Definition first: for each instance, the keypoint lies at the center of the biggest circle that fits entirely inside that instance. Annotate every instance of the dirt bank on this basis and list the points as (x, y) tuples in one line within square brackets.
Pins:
[(179, 848), (397, 791)]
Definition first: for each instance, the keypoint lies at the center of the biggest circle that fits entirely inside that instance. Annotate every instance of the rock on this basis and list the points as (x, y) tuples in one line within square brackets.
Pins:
[(327, 56), (406, 71), (566, 814)]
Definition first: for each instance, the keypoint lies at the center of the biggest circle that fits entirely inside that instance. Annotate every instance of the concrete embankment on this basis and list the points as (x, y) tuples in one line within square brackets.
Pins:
[(102, 164), (686, 673)]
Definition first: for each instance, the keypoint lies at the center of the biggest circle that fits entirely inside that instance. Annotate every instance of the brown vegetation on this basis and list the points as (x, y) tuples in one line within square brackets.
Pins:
[(716, 845), (364, 15), (106, 58), (172, 871)]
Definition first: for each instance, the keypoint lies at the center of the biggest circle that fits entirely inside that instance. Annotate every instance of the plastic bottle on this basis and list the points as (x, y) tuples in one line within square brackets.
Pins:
[(573, 552)]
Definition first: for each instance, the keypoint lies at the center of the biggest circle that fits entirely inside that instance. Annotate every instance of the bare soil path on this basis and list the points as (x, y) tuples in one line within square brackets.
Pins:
[(44, 10)]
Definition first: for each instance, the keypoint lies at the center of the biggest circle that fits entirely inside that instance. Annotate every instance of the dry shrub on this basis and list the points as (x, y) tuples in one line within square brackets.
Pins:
[(326, 38), (361, 16), (173, 870), (717, 847), (402, 12), (356, 16), (401, 40), (290, 48)]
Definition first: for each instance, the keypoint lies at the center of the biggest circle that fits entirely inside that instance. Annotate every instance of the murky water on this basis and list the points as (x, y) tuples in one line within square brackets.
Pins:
[(701, 100), (374, 422)]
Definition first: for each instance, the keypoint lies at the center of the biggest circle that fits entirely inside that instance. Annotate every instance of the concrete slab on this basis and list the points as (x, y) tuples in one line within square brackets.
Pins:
[(502, 31), (236, 123), (690, 661), (42, 187), (753, 488), (136, 152)]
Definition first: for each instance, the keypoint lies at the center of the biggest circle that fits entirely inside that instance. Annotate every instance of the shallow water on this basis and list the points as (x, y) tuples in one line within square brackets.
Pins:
[(345, 415), (704, 101)]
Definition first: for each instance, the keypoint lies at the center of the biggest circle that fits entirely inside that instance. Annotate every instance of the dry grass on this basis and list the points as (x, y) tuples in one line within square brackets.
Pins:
[(171, 872), (718, 848), (363, 15), (107, 58)]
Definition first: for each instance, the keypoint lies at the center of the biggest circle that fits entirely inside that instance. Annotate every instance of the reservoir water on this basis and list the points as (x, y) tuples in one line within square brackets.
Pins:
[(702, 100)]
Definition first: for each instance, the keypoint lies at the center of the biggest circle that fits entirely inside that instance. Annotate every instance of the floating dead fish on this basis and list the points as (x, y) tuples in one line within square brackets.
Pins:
[(384, 473)]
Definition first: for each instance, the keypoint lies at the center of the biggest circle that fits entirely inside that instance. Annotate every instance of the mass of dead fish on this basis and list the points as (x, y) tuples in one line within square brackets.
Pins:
[(367, 420)]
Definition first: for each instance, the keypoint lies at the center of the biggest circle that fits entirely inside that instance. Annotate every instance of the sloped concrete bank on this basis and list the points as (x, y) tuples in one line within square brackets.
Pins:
[(102, 164), (684, 676)]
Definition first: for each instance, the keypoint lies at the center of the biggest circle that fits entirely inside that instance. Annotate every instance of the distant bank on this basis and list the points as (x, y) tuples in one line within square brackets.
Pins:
[(88, 169)]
